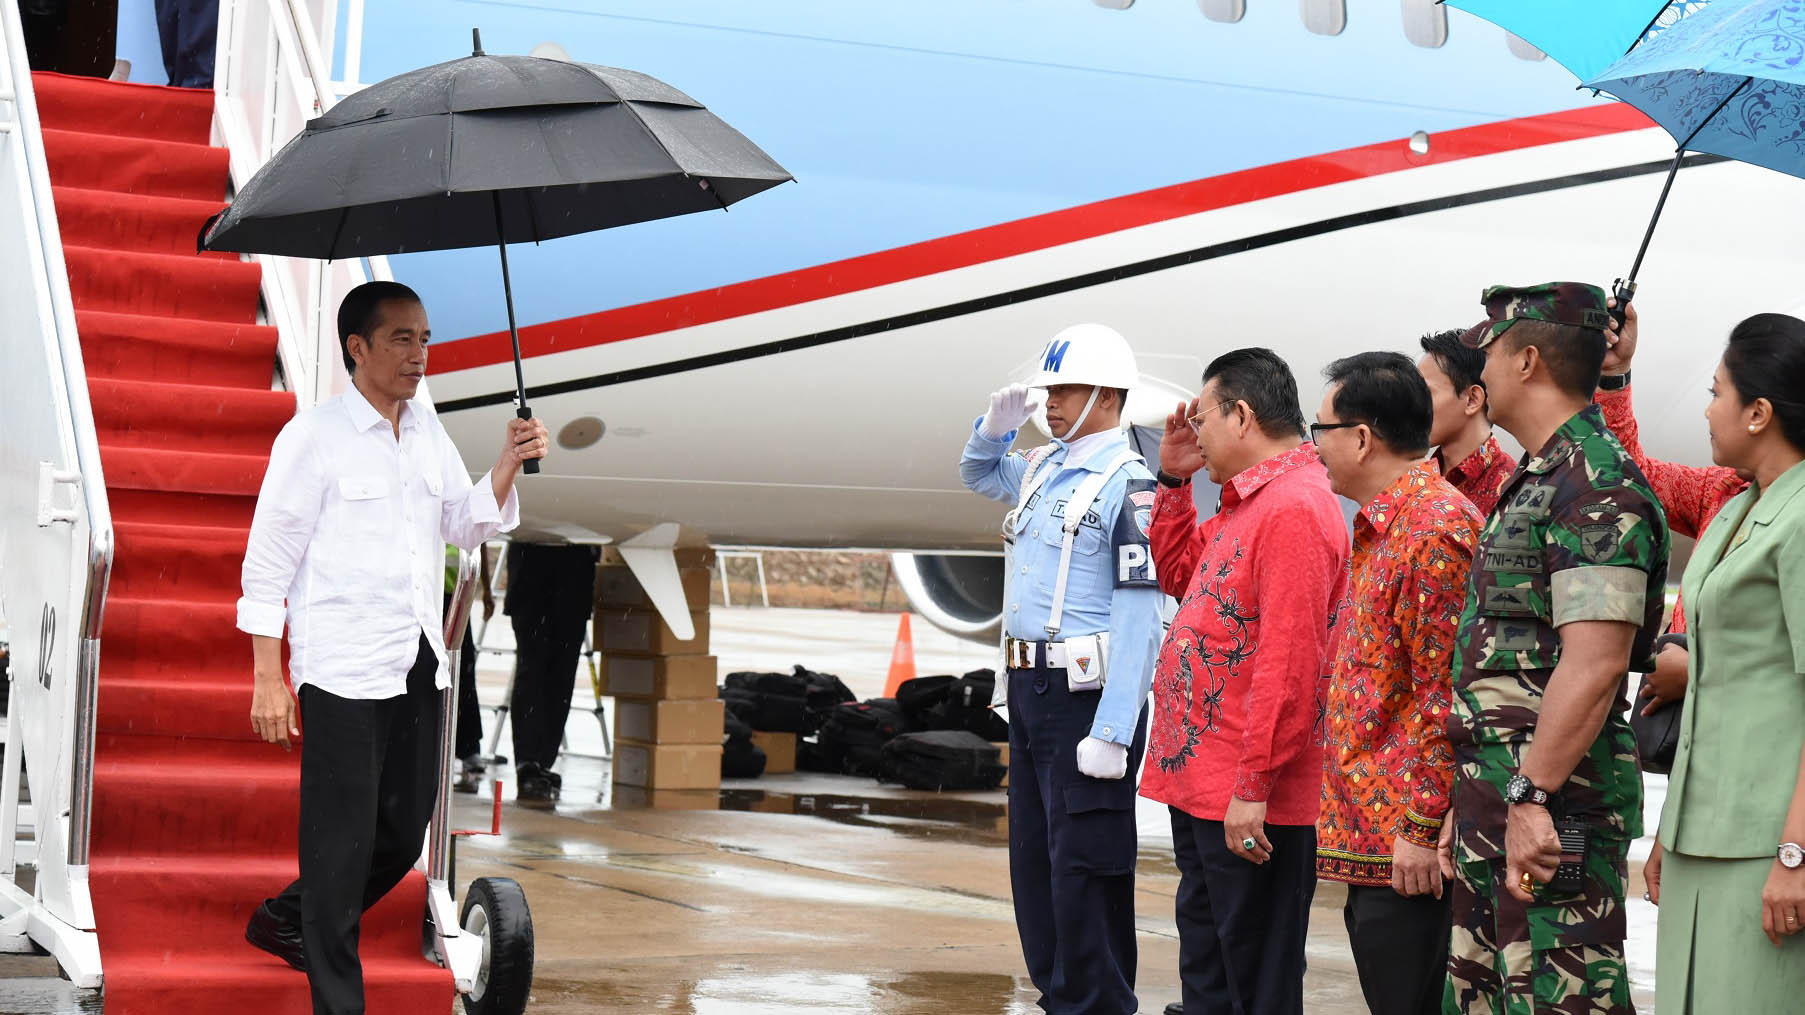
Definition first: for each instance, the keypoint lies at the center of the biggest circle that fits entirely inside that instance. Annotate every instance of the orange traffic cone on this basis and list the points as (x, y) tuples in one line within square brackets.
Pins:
[(902, 659)]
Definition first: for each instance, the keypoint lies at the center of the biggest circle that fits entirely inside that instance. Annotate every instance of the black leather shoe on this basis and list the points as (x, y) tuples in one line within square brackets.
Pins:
[(1175, 1008), (276, 937), (536, 784)]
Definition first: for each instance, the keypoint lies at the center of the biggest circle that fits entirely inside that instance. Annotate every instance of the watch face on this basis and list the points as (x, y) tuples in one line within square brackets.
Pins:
[(1791, 856), (1517, 789)]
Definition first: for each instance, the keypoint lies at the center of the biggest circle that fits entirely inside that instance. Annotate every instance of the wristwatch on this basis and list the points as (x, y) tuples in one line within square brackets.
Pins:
[(1167, 479), (1791, 855), (1519, 790), (1614, 382)]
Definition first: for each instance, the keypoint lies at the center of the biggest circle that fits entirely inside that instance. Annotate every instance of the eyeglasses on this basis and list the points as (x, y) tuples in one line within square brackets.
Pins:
[(1197, 420), (1316, 429)]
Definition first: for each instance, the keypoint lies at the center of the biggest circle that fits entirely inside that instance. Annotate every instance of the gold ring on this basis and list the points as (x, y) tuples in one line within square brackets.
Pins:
[(1526, 882)]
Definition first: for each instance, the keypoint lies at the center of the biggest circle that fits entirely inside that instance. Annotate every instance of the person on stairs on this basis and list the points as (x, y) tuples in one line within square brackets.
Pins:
[(551, 592), (1082, 621), (346, 550)]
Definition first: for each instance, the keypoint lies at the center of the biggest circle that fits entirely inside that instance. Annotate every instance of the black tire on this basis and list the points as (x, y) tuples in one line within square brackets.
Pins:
[(495, 910)]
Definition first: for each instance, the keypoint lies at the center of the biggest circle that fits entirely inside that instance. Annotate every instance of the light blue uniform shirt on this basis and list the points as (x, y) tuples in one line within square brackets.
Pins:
[(1094, 603)]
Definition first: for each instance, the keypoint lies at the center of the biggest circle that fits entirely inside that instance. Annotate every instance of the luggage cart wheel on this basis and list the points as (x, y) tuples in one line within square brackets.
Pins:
[(495, 912)]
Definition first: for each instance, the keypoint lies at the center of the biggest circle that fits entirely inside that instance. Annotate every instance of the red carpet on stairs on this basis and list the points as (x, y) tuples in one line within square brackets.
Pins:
[(195, 820)]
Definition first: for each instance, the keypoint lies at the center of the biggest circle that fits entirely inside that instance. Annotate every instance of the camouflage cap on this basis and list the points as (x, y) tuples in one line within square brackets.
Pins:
[(1574, 303)]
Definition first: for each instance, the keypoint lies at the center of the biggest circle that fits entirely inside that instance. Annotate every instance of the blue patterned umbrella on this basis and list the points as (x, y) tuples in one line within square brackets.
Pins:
[(1584, 36), (1728, 80)]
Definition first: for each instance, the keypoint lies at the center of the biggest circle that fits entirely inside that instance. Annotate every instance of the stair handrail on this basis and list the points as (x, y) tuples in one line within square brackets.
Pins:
[(65, 922), (257, 109)]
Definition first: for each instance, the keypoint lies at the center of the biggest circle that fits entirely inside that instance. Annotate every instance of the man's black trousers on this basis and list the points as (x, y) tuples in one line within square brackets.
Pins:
[(1241, 925), (369, 768), (1072, 849), (1400, 947), (546, 648)]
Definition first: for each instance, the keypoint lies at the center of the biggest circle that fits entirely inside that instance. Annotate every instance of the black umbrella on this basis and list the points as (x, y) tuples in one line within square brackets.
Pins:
[(490, 149)]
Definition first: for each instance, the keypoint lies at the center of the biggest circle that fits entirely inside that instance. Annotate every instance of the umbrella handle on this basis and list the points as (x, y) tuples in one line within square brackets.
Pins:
[(531, 465), (1623, 290)]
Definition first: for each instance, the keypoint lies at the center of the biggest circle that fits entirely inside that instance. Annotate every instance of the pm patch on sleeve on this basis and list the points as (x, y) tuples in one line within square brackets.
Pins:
[(1131, 544)]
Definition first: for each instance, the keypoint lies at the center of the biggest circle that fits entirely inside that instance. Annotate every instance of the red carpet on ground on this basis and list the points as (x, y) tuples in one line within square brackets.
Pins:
[(195, 820)]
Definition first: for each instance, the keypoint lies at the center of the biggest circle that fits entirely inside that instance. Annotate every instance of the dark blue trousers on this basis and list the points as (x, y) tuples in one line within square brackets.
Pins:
[(188, 30), (1241, 926), (1071, 850)]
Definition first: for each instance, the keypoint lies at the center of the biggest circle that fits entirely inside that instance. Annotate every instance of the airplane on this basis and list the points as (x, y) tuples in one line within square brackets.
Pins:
[(970, 178)]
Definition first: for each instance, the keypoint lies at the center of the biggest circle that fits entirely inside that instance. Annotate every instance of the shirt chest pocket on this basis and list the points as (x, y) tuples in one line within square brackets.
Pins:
[(1088, 560), (366, 507)]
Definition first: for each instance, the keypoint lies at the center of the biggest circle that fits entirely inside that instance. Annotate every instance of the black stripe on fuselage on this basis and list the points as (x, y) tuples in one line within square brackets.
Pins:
[(1076, 282)]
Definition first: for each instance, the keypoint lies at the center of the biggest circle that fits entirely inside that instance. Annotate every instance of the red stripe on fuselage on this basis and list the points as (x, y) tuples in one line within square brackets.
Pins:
[(1008, 239)]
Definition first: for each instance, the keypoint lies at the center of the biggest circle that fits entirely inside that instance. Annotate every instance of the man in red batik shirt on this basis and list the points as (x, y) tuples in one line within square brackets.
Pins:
[(1236, 745), (1465, 449), (1389, 773)]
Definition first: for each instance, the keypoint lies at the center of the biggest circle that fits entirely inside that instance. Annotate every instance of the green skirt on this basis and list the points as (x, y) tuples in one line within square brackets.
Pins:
[(1711, 955)]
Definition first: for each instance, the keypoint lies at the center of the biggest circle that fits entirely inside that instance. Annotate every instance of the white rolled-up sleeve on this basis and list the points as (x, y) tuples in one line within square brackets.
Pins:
[(469, 514), (288, 509)]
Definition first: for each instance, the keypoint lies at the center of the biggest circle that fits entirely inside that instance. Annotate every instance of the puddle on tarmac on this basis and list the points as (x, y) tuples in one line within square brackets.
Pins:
[(910, 993), (29, 985), (942, 819)]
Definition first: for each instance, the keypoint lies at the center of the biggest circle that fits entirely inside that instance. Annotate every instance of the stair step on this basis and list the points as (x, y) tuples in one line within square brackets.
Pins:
[(109, 219), (168, 797), (136, 165), (201, 636), (116, 107), (177, 507), (198, 352), (188, 417), (206, 903), (197, 707), (132, 468), (261, 983), (201, 562), (172, 285)]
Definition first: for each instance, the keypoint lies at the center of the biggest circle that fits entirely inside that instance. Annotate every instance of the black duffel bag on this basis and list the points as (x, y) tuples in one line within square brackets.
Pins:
[(924, 700), (943, 759), (740, 757), (822, 693), (775, 702), (852, 739)]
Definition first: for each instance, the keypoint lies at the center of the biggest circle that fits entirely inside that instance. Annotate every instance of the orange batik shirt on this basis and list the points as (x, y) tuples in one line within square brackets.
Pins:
[(1387, 768)]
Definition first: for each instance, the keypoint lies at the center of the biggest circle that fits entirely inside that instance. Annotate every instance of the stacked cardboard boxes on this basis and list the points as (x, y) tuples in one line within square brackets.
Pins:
[(668, 722)]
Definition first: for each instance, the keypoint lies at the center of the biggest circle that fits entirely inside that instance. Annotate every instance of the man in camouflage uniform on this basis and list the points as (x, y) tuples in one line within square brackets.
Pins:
[(1565, 591)]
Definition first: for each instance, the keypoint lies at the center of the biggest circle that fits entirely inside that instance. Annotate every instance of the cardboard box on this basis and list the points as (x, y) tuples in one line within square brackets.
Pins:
[(667, 766), (627, 797), (643, 632), (671, 722), (617, 588), (780, 751), (655, 679)]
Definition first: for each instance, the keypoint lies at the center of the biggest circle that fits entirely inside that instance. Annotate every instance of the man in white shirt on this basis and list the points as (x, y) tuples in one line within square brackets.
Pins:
[(347, 549)]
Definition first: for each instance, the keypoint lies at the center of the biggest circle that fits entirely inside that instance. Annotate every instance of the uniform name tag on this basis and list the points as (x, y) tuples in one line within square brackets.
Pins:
[(1520, 561)]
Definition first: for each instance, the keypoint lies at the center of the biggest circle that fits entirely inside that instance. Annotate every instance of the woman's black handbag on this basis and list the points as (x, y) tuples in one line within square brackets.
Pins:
[(1658, 733)]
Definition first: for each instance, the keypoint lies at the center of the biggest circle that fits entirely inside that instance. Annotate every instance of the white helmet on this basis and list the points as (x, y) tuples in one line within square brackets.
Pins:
[(1093, 354)]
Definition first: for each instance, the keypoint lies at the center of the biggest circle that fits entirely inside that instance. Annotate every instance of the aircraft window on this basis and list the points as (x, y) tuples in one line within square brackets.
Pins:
[(1523, 50), (1324, 17), (1225, 11), (1425, 23), (1419, 143), (1114, 5)]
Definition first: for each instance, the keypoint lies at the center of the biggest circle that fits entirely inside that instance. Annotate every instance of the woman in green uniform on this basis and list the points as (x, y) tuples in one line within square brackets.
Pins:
[(1729, 869)]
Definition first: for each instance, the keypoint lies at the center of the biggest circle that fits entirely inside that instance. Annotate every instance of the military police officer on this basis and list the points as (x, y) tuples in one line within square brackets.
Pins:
[(1566, 590), (1081, 615)]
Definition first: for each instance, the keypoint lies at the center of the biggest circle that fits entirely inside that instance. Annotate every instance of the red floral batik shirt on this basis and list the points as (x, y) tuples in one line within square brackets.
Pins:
[(1481, 476), (1387, 768), (1237, 692)]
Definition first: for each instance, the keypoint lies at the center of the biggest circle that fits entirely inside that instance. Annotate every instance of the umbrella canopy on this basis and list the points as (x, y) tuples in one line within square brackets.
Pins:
[(419, 161), (1729, 80), (1584, 36)]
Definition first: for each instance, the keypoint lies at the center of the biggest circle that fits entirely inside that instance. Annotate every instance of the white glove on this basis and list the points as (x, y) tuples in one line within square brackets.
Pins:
[(1010, 407), (1101, 759)]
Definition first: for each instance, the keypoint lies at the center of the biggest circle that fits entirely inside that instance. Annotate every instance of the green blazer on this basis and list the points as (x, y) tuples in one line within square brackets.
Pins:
[(1743, 724)]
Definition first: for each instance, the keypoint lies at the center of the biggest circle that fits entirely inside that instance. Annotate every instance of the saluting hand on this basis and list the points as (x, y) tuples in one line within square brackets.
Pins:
[(1010, 407), (1179, 455)]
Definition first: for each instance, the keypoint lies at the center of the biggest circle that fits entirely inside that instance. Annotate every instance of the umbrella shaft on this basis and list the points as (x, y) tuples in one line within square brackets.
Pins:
[(507, 287), (1649, 234)]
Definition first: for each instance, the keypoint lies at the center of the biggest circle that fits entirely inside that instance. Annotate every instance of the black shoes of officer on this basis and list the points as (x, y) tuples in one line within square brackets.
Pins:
[(537, 784), (1175, 1008), (470, 775), (278, 938)]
